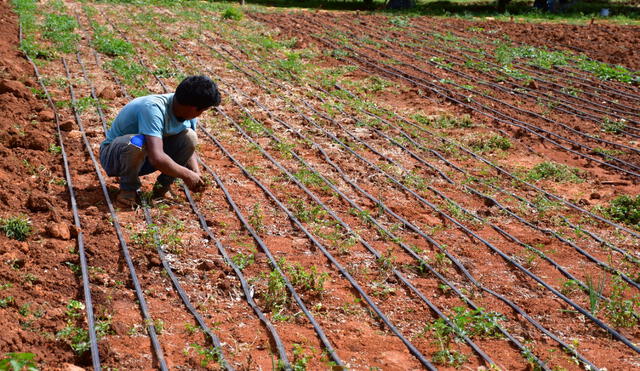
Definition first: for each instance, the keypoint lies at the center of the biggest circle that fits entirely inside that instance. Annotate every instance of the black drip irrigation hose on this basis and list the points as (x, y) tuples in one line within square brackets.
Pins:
[(485, 197), (469, 232), (412, 349), (246, 288), (125, 250), (503, 89), (183, 295), (548, 194), (86, 284), (453, 259), (443, 92)]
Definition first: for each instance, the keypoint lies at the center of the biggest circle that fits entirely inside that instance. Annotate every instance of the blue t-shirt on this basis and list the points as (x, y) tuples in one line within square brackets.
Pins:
[(149, 115)]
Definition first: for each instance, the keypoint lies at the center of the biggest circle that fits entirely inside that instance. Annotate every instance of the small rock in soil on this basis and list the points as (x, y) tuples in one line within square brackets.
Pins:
[(107, 93), (70, 367), (46, 115), (595, 196), (59, 230), (67, 125), (154, 260)]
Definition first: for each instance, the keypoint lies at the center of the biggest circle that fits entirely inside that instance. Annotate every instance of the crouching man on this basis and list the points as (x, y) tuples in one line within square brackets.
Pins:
[(158, 133)]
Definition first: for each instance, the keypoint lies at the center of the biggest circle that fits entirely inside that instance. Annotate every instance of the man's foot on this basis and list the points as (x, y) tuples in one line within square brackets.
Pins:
[(160, 191), (127, 198)]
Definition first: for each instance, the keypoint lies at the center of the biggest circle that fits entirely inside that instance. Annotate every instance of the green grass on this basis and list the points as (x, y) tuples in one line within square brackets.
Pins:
[(232, 13), (108, 43), (59, 28)]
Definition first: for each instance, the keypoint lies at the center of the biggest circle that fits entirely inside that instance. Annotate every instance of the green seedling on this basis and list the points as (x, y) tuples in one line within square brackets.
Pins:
[(256, 218), (17, 227), (306, 280), (621, 311), (59, 28), (490, 143), (276, 296), (209, 354), (18, 362), (595, 289), (243, 260)]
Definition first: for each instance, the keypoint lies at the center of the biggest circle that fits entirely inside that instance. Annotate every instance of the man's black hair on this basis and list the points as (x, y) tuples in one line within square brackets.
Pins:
[(198, 91)]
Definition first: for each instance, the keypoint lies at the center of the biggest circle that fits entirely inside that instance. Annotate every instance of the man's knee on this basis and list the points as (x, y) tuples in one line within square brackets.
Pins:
[(191, 140)]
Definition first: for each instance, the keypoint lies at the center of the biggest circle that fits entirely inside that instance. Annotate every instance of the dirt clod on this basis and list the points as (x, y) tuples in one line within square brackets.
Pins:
[(59, 230), (14, 87), (67, 125)]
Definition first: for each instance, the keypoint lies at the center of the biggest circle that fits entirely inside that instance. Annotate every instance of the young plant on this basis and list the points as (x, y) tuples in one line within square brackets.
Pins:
[(18, 362), (16, 227)]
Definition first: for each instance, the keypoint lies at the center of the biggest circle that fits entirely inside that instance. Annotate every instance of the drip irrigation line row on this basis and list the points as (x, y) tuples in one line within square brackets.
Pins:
[(521, 110), (569, 75), (392, 236), (546, 193), (488, 162), (604, 265), (471, 233), (455, 260), (347, 228), (438, 48), (246, 287), (183, 295), (413, 81), (412, 349), (601, 324), (84, 269), (435, 152), (116, 223), (485, 197), (507, 119)]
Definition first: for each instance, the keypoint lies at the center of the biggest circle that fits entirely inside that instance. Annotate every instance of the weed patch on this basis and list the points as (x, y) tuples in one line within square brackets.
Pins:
[(554, 171), (624, 209), (16, 228)]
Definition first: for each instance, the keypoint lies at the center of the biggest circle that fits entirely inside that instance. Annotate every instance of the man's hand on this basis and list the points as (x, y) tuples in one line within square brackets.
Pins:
[(194, 182)]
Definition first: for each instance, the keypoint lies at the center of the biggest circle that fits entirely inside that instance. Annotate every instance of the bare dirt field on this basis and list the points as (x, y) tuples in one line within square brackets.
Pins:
[(384, 192)]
